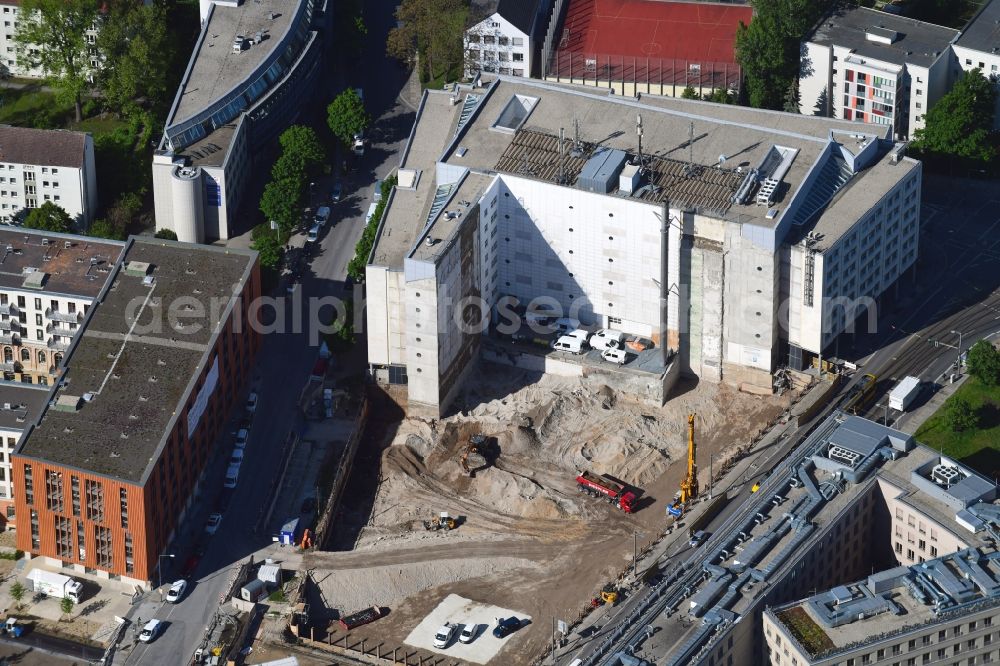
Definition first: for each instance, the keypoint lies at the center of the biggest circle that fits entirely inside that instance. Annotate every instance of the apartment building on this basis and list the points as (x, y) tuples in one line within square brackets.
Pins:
[(863, 64), (524, 189), (10, 64), (505, 36), (104, 476), (253, 68), (20, 405), (37, 166), (978, 47)]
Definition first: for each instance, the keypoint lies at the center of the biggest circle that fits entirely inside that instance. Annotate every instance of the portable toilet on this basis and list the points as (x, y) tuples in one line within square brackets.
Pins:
[(289, 532)]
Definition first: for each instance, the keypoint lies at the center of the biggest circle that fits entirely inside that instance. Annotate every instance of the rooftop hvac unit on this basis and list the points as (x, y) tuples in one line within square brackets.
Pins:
[(45, 241)]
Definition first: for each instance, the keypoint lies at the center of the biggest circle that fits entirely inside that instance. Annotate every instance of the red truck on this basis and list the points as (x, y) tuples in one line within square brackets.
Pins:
[(600, 484)]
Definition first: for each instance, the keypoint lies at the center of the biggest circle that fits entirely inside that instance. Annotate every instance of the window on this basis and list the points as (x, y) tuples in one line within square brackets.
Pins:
[(518, 57), (129, 556), (102, 543), (123, 503), (64, 537), (36, 543), (74, 483), (29, 486), (54, 491), (94, 493)]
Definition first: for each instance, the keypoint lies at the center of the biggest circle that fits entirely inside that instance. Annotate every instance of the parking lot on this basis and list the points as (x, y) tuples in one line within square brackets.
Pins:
[(461, 611)]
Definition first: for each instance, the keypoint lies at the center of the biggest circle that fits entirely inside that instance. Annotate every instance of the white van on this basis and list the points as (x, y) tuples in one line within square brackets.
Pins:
[(313, 234), (566, 324), (617, 356), (570, 344), (371, 213), (232, 476), (322, 215), (607, 338)]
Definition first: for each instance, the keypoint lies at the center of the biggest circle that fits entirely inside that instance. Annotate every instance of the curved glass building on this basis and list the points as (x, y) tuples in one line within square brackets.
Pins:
[(253, 68)]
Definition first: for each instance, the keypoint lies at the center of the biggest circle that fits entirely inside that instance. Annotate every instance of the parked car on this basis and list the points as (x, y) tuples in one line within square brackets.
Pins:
[(570, 344), (236, 457), (443, 636), (150, 631), (506, 626), (213, 522), (469, 633), (232, 476), (338, 192), (697, 538), (322, 216), (176, 591), (612, 355), (241, 438), (607, 338), (252, 402), (313, 234)]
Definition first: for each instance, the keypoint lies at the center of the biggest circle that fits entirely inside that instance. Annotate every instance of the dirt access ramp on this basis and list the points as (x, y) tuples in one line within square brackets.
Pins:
[(527, 538)]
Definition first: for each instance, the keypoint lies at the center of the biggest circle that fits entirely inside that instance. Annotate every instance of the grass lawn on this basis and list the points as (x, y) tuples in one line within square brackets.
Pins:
[(809, 634), (30, 107), (980, 448)]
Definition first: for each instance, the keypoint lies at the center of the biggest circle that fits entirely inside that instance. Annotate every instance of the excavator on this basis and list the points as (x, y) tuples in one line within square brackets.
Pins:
[(689, 486), (478, 455)]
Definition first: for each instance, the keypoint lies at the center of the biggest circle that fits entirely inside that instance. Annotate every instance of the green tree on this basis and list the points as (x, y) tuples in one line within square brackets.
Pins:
[(300, 143), (768, 48), (17, 592), (356, 266), (960, 124), (137, 51), (346, 116), (280, 202), (962, 415), (165, 234), (103, 229), (689, 93), (66, 605), (431, 28), (49, 217), (52, 36), (720, 96), (269, 243), (791, 103), (983, 361)]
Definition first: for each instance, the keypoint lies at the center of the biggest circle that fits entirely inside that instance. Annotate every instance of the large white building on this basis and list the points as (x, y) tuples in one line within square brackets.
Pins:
[(253, 68), (506, 36), (761, 240), (37, 166), (867, 65), (978, 47)]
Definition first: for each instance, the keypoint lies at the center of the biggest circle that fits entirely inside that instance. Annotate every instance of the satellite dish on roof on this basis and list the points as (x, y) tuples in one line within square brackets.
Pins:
[(722, 159)]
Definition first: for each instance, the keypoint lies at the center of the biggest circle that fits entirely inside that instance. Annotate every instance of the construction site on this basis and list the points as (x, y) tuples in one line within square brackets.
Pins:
[(531, 501)]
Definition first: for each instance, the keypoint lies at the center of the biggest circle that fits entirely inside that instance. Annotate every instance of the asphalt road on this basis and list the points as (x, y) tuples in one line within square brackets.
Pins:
[(286, 357)]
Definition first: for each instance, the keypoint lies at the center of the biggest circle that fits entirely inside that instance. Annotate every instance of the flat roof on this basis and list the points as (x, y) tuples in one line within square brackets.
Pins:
[(73, 265), (215, 69), (699, 32), (450, 217), (138, 379), (913, 42), (406, 214), (20, 404), (464, 134), (983, 31)]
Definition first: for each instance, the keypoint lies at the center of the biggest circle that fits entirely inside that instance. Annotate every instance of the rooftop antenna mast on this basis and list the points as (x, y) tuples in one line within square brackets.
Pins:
[(576, 136), (562, 156), (638, 131), (690, 166)]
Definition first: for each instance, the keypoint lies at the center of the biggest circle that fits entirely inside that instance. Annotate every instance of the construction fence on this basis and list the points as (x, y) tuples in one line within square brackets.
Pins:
[(628, 75)]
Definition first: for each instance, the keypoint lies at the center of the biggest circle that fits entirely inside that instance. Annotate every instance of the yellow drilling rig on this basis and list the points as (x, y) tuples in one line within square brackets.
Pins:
[(689, 486)]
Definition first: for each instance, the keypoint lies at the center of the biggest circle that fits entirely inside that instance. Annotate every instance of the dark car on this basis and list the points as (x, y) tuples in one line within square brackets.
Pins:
[(506, 626), (338, 192)]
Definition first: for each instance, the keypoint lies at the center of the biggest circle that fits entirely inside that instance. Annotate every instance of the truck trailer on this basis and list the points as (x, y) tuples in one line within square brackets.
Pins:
[(55, 585), (601, 484), (905, 392)]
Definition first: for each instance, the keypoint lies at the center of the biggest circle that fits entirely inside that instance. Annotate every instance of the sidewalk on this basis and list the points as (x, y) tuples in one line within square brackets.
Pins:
[(910, 422)]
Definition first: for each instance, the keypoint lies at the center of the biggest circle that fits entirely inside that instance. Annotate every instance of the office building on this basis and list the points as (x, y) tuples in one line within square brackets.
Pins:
[(106, 473), (47, 165), (645, 46), (505, 36), (777, 224), (978, 47), (254, 66), (856, 500), (867, 65)]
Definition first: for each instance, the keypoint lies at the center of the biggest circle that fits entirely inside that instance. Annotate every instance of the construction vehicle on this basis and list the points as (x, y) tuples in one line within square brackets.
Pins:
[(609, 594), (689, 486), (478, 455), (366, 616), (443, 522), (860, 395), (14, 628), (616, 492)]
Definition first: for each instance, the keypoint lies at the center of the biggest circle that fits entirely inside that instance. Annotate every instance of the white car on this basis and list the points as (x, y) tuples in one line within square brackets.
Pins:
[(232, 476), (241, 438), (236, 457), (616, 356), (607, 338), (442, 638), (469, 632), (150, 631), (252, 402), (176, 591), (313, 234), (213, 522)]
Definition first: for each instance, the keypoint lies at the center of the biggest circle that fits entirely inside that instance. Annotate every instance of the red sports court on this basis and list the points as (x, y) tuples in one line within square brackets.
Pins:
[(649, 39)]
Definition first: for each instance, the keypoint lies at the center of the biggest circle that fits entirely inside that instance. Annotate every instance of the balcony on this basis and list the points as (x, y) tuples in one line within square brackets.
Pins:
[(56, 344), (10, 325), (10, 366), (59, 328), (8, 309), (10, 338), (69, 317)]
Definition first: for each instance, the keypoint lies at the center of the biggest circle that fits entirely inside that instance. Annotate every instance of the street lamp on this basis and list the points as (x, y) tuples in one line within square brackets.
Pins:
[(159, 568), (958, 361)]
